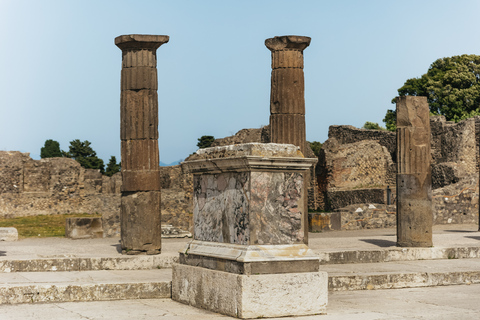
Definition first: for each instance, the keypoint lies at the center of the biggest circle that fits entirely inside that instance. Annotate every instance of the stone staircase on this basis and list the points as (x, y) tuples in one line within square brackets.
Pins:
[(36, 278)]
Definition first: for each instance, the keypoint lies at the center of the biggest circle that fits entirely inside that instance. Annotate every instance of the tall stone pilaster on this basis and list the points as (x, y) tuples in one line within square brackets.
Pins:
[(414, 180), (287, 96), (140, 215)]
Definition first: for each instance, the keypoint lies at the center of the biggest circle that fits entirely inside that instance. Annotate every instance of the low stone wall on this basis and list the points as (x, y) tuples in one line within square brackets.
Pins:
[(60, 185), (454, 204), (457, 203), (344, 198)]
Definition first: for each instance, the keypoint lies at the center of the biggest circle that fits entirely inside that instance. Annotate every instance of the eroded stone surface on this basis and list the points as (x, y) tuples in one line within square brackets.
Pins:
[(255, 296), (414, 181), (249, 207), (287, 96), (8, 234), (139, 135)]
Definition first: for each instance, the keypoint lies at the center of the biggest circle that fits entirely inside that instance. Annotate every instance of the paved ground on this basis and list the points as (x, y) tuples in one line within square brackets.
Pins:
[(443, 236), (452, 302)]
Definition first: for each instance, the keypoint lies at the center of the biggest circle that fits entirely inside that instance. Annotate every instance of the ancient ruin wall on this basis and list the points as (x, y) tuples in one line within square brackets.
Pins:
[(453, 148), (60, 185)]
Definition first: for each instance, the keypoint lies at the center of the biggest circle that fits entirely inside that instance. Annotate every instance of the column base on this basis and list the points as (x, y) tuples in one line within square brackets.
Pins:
[(251, 296)]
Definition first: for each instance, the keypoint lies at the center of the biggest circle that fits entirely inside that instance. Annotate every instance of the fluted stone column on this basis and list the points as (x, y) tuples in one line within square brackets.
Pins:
[(140, 215), (414, 179), (287, 96)]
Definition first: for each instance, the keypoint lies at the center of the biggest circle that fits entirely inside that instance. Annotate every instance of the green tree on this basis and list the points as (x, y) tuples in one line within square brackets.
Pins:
[(205, 141), (112, 167), (451, 85), (316, 146), (50, 149), (84, 154), (391, 120), (372, 126)]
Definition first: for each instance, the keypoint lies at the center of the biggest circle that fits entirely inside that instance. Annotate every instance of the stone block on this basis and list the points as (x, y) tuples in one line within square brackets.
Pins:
[(288, 92), (287, 59), (83, 228), (318, 222), (132, 42), (140, 155), (139, 58), (288, 128), (139, 78), (140, 180), (141, 222), (251, 296), (139, 114), (8, 234)]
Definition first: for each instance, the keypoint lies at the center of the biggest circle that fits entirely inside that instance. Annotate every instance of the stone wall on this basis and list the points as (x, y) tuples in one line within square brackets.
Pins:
[(453, 204), (354, 158), (60, 185)]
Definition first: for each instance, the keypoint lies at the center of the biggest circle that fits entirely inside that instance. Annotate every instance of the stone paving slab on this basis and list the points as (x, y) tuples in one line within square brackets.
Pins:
[(35, 287), (336, 247), (432, 303)]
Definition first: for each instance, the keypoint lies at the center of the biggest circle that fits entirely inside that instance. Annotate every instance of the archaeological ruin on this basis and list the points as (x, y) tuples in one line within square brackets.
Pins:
[(414, 178), (140, 215), (249, 235)]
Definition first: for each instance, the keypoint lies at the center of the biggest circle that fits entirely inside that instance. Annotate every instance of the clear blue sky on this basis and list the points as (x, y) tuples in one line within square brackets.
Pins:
[(60, 69)]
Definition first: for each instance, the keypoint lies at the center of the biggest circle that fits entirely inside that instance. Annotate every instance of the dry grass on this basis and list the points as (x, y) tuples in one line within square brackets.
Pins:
[(41, 226)]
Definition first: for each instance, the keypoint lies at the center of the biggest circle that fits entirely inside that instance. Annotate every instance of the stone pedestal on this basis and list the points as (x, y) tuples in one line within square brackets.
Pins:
[(248, 258), (414, 180), (140, 206)]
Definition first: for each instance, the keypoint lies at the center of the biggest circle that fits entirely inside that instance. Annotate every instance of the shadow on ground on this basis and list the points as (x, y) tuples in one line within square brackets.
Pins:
[(118, 247), (475, 238), (380, 243)]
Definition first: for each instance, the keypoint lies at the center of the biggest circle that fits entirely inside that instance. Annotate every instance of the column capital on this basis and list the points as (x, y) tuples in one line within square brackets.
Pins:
[(287, 43), (140, 41)]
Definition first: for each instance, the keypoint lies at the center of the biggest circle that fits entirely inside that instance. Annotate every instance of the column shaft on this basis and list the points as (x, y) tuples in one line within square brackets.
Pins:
[(414, 181), (287, 95), (140, 206)]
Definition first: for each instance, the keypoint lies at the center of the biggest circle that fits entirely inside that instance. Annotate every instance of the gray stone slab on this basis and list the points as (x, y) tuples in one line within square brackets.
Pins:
[(433, 303), (37, 287), (8, 234)]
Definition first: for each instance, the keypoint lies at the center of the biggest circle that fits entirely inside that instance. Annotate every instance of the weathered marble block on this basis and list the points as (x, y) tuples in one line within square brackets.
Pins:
[(249, 212)]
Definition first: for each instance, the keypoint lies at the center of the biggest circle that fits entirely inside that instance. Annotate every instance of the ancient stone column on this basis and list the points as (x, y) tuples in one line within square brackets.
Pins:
[(140, 206), (414, 180), (287, 96)]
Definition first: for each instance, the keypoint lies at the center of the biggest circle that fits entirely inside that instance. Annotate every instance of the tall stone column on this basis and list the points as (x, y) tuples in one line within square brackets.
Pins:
[(140, 215), (414, 179), (287, 96)]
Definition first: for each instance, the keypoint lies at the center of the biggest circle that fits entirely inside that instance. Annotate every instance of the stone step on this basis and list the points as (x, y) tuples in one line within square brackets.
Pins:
[(397, 254), (165, 260), (42, 287), (405, 274), (140, 262)]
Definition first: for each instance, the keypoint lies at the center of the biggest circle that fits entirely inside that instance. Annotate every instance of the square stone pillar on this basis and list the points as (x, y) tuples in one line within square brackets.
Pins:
[(248, 258), (414, 178)]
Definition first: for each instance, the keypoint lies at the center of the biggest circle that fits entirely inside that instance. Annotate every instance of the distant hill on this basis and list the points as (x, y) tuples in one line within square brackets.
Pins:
[(174, 163)]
